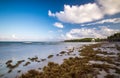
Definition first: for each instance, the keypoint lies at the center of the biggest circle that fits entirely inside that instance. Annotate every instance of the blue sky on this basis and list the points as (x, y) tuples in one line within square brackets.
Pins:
[(50, 20)]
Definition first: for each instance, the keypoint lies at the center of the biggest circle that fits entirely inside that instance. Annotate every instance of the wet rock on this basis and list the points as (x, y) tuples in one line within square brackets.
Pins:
[(9, 61), (50, 56), (19, 71), (33, 59), (27, 63), (57, 54), (10, 71), (43, 59), (62, 52), (39, 68)]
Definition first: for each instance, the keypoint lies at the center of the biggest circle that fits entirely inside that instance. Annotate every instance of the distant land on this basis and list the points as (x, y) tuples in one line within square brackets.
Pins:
[(114, 37)]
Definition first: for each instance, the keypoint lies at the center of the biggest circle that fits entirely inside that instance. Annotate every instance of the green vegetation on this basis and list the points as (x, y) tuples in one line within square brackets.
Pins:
[(71, 68), (85, 40), (114, 37), (80, 40)]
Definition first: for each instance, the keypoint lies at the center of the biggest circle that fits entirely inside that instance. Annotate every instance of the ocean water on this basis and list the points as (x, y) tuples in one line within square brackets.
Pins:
[(23, 50)]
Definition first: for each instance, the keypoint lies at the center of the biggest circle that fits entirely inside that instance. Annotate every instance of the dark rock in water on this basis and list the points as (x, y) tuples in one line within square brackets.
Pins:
[(50, 56), (10, 66), (57, 54), (38, 61), (39, 68), (68, 53), (117, 47), (19, 71), (21, 61), (74, 54), (62, 52), (9, 61), (1, 75), (27, 63), (33, 59), (43, 59), (10, 71)]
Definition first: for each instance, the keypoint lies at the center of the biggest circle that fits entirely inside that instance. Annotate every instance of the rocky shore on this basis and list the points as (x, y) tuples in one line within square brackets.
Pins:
[(101, 60)]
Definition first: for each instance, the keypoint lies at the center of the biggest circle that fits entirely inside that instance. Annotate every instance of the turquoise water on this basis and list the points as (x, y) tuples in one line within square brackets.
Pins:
[(22, 51)]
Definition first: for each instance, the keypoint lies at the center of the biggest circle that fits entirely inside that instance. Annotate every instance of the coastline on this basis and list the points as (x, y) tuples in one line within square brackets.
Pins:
[(90, 65), (94, 60)]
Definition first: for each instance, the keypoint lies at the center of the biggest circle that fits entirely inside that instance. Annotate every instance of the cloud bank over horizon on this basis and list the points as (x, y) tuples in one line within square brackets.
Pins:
[(101, 32)]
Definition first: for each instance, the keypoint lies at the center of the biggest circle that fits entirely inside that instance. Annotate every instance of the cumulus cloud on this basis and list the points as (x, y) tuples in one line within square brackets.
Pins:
[(79, 14), (101, 32), (113, 20), (87, 12), (109, 7), (59, 25)]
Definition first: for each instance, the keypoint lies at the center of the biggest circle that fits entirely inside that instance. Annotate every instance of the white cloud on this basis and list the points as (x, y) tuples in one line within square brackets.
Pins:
[(50, 13), (102, 32), (109, 7), (113, 20), (87, 12), (59, 25), (14, 36), (79, 14)]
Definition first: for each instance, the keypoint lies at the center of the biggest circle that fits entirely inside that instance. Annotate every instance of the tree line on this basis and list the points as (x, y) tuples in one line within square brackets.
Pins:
[(114, 37)]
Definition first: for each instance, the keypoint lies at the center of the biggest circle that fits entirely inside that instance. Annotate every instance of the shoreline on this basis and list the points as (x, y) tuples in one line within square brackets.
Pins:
[(83, 67), (91, 59)]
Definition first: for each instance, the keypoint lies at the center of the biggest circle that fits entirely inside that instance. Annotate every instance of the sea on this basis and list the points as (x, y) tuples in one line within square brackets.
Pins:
[(16, 51)]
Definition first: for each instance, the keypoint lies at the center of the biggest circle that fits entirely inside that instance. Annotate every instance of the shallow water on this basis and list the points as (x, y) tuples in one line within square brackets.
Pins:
[(22, 51)]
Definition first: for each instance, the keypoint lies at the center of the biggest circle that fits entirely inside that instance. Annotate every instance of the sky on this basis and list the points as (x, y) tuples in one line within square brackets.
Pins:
[(51, 20)]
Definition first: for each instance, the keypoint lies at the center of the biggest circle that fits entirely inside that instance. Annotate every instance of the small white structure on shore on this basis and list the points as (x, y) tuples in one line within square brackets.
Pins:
[(93, 40)]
